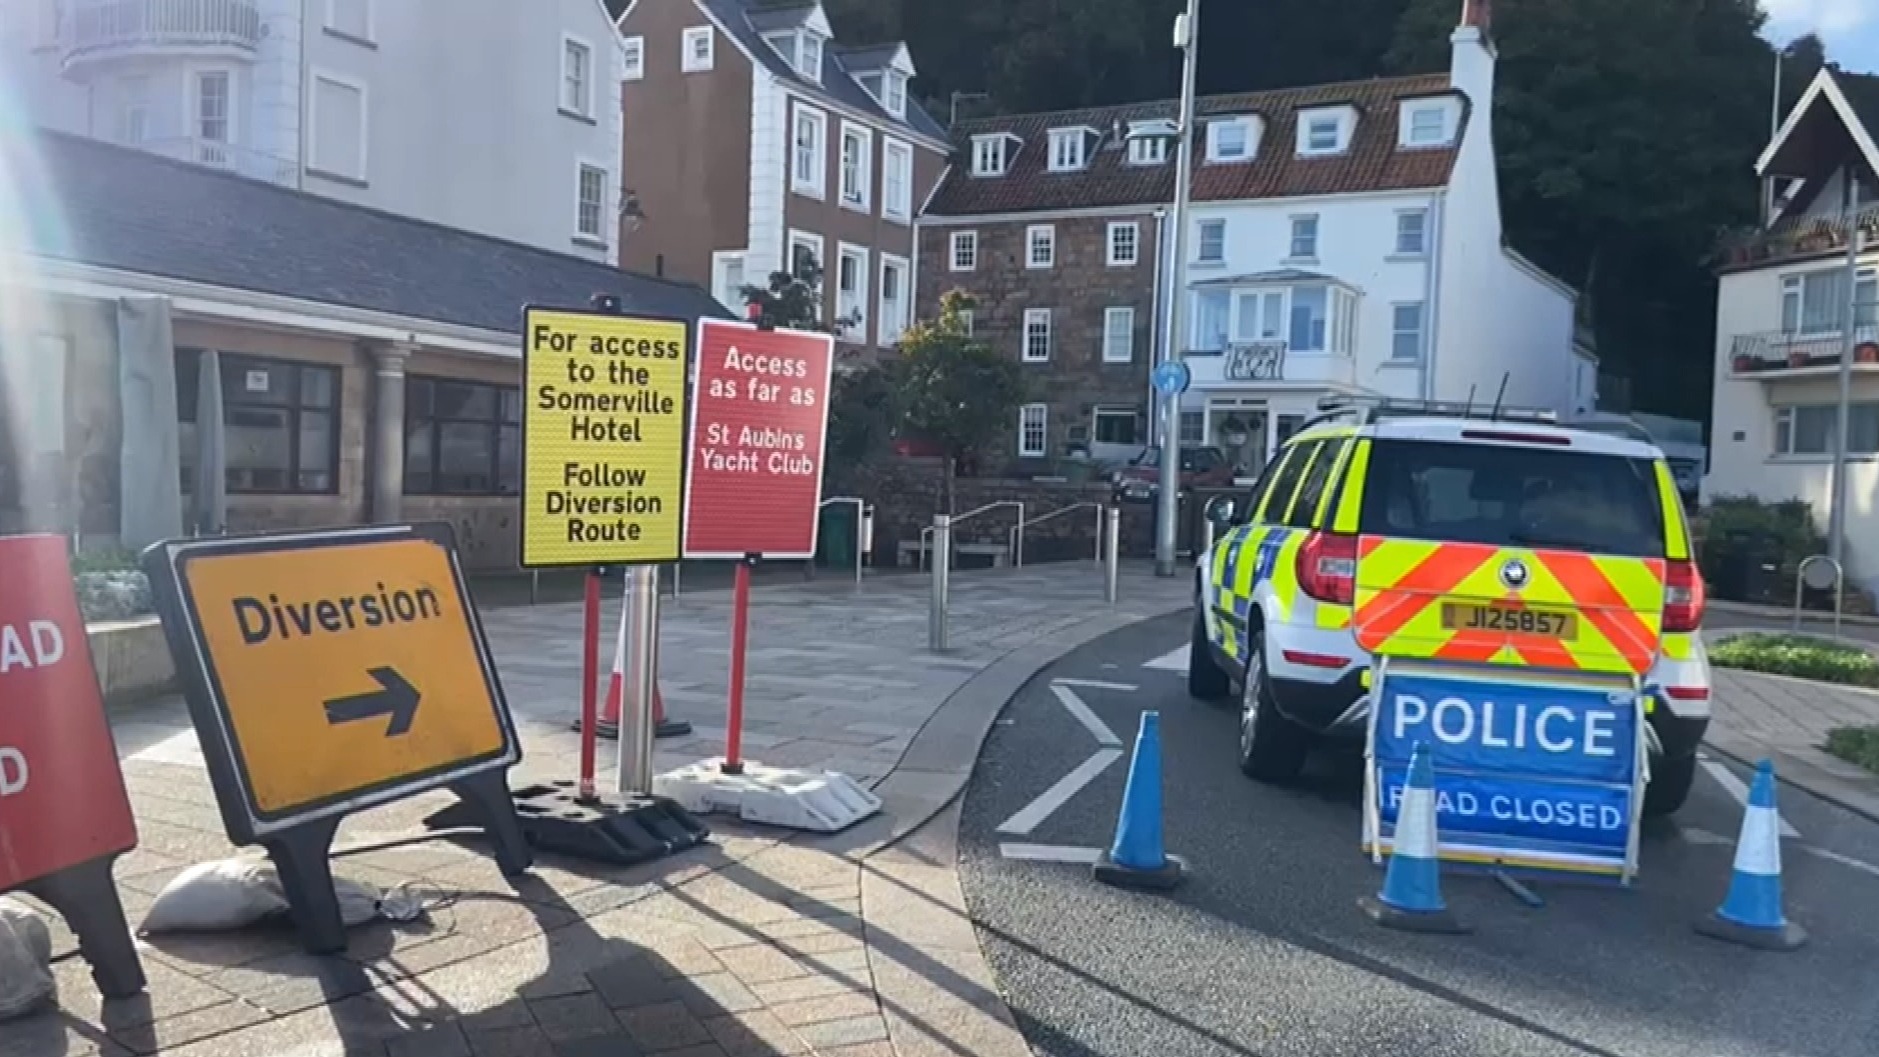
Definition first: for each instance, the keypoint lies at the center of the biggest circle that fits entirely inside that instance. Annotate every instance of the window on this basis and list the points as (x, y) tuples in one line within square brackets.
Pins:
[(1213, 242), (1310, 305), (1305, 236), (810, 55), (1033, 431), (695, 49), (1210, 320), (1277, 500), (965, 251), (988, 155), (338, 148), (1124, 244), (1311, 488), (1040, 242), (1193, 427), (805, 256), (1513, 496), (968, 321), (896, 180), (857, 159), (281, 422), (590, 212), (1813, 303), (214, 117), (851, 292), (1118, 334), (1147, 148), (1036, 335), (894, 299), (1066, 149), (350, 18), (577, 78), (1809, 429), (895, 84), (633, 51), (808, 170), (1229, 140), (1428, 126), (727, 280), (1261, 316), (1116, 425), (462, 438), (133, 116), (1412, 232), (1321, 135), (1406, 331)]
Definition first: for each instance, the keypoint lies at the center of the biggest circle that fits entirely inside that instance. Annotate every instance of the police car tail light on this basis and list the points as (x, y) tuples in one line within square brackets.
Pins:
[(1684, 597), (1327, 567)]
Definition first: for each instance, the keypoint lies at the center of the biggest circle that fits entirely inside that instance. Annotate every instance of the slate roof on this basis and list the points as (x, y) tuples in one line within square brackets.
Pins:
[(1374, 162), (1861, 90), (838, 85), (134, 211)]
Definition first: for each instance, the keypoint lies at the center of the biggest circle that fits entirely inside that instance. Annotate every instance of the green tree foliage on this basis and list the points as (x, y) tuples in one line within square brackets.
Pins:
[(953, 390), (789, 301), (864, 412)]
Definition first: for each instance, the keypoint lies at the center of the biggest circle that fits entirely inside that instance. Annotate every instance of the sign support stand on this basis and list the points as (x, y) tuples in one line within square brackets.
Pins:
[(590, 678), (86, 897)]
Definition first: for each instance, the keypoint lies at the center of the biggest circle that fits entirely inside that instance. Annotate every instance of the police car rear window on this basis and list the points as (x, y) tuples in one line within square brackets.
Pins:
[(1510, 496)]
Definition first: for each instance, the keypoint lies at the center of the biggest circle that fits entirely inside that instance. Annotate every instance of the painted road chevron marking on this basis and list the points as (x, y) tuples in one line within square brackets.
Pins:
[(1033, 814)]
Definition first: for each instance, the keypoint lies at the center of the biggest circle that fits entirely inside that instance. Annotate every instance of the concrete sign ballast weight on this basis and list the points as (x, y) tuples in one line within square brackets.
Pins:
[(603, 426)]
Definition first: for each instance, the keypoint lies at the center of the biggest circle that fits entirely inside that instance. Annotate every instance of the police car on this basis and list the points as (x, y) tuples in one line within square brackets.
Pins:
[(1448, 534)]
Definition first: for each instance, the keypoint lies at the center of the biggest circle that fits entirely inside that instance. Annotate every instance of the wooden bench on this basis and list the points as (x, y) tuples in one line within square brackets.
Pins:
[(913, 552)]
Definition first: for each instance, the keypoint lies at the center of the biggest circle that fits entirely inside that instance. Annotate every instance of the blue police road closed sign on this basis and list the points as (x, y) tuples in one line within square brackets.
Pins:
[(1171, 378), (1531, 773)]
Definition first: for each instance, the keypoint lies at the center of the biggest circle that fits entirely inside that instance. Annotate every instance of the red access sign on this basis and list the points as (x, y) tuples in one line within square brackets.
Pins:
[(62, 799), (759, 422)]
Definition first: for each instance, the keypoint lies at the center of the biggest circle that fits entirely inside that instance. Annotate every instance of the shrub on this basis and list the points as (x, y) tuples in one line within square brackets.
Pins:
[(1800, 656), (1858, 745)]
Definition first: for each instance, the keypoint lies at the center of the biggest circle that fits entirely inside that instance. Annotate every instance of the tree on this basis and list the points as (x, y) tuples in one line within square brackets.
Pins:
[(792, 301), (953, 390), (864, 409)]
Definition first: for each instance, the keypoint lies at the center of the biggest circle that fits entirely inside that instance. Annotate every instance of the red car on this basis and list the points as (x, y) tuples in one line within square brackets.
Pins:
[(1200, 468)]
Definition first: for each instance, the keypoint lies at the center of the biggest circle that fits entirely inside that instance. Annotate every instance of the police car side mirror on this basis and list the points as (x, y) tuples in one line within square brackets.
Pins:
[(1221, 509)]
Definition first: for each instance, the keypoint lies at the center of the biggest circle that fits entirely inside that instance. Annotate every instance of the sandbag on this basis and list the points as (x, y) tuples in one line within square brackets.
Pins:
[(212, 896), (26, 981)]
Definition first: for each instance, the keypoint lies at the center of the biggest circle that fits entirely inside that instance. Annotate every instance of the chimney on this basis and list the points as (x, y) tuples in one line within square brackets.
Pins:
[(1478, 14), (1471, 63)]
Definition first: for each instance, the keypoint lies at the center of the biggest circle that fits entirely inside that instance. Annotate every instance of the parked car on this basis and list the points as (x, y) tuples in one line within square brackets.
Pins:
[(1140, 480)]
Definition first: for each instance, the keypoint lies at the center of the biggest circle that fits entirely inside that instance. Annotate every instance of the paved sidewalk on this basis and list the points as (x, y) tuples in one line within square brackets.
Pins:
[(1787, 720), (763, 943)]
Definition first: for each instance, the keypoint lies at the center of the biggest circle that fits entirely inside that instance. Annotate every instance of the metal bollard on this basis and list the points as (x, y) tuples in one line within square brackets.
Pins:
[(1112, 570), (642, 661), (942, 575), (1100, 517), (1017, 545)]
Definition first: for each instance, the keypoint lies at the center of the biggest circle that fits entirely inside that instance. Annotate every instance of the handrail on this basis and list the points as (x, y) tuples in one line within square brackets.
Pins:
[(1018, 558), (1017, 531)]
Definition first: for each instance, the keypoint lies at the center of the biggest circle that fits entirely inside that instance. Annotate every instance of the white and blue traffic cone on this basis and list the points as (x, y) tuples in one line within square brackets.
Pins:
[(1137, 858), (1751, 913), (1412, 886)]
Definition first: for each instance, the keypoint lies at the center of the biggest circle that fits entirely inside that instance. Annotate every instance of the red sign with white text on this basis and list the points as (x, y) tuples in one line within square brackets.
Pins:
[(760, 418), (62, 799)]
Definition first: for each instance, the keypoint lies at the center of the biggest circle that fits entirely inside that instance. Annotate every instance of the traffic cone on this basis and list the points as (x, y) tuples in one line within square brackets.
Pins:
[(1751, 913), (1412, 885), (608, 724), (1137, 859)]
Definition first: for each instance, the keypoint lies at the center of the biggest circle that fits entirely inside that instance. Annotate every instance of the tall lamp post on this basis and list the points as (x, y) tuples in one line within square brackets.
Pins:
[(1836, 513), (1168, 501)]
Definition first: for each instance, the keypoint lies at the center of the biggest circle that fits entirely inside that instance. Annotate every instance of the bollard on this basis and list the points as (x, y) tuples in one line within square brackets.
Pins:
[(1110, 570), (942, 573), (1017, 546), (636, 713), (1100, 515)]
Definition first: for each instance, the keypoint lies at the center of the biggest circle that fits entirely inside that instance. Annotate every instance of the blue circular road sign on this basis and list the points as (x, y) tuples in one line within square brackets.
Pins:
[(1171, 378)]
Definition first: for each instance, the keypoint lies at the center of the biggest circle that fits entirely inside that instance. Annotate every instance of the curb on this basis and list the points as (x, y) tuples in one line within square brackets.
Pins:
[(1798, 772), (1786, 613)]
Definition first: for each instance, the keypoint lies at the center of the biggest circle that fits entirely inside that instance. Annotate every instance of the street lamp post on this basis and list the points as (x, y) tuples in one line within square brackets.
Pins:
[(1168, 501), (1836, 513)]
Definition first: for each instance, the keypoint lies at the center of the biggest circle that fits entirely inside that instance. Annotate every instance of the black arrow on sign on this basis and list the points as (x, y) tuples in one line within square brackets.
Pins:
[(397, 699)]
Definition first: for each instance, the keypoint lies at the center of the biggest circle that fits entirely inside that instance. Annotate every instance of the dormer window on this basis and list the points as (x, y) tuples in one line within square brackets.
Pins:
[(1148, 141), (1324, 131), (811, 55), (989, 154), (1427, 122), (894, 92), (1067, 147), (1231, 139)]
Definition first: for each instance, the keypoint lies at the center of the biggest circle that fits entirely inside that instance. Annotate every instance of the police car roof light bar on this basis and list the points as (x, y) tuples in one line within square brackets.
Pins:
[(1370, 409)]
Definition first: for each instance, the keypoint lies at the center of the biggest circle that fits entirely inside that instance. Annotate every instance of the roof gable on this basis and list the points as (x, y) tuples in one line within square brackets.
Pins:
[(1835, 104), (1373, 160)]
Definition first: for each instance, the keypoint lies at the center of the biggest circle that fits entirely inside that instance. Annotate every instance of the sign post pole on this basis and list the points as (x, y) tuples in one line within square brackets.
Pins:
[(740, 641), (590, 679)]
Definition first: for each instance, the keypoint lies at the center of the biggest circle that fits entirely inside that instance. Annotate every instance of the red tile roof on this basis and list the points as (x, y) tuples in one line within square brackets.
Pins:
[(1374, 162)]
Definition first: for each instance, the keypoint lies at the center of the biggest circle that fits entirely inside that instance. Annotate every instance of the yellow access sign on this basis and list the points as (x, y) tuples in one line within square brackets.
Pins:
[(332, 671), (603, 438)]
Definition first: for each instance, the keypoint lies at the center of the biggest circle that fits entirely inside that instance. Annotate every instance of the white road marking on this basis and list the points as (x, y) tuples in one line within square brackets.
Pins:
[(1090, 720), (1843, 860), (1096, 684), (1033, 814), (1174, 660), (1050, 853), (1726, 778)]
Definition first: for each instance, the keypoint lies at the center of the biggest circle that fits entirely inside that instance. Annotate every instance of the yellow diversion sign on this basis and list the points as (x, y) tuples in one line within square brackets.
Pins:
[(603, 425)]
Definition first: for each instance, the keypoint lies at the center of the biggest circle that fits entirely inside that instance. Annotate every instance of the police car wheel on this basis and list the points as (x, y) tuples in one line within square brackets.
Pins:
[(1205, 678), (1272, 748), (1670, 785)]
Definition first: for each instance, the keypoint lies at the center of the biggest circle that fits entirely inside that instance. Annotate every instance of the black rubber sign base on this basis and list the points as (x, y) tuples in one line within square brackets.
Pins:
[(619, 831), (86, 898)]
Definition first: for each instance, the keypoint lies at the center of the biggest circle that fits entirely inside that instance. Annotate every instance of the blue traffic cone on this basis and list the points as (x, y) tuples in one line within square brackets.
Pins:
[(1751, 913), (1412, 886), (1137, 859)]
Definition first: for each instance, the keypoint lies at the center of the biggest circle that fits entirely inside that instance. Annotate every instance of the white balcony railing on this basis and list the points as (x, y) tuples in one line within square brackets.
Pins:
[(95, 28), (1778, 352), (227, 157)]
